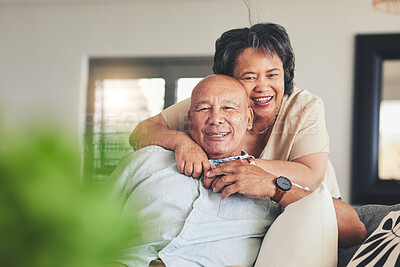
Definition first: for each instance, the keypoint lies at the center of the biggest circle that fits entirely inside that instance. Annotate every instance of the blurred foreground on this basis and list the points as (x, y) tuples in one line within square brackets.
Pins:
[(48, 217)]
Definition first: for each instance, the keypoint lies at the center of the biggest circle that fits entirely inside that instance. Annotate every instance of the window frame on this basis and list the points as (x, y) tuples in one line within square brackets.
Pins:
[(169, 68)]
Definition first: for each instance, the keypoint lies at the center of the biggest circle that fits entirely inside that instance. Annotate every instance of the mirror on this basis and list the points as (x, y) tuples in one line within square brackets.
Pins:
[(389, 122), (376, 122)]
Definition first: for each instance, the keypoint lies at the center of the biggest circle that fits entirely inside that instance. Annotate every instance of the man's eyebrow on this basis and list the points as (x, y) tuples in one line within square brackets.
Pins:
[(224, 102), (201, 103), (232, 102)]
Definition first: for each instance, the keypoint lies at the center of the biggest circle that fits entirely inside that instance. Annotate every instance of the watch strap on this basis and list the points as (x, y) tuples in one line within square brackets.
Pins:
[(278, 195)]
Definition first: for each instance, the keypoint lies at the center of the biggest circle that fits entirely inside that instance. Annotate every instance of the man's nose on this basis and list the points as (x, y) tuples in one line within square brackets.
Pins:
[(216, 117)]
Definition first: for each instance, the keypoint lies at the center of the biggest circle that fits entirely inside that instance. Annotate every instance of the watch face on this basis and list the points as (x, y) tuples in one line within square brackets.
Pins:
[(283, 183)]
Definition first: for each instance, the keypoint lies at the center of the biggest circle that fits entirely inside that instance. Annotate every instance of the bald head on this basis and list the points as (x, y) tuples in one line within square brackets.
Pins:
[(219, 116), (216, 83)]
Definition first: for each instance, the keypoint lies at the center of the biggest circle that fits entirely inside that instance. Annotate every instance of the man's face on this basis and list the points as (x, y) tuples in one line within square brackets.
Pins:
[(219, 116)]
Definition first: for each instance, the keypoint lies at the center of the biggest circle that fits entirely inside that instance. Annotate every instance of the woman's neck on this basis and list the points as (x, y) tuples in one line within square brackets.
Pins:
[(254, 144)]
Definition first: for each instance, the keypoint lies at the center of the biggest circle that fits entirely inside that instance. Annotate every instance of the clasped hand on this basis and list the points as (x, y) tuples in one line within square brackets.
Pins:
[(191, 159), (239, 176), (231, 177)]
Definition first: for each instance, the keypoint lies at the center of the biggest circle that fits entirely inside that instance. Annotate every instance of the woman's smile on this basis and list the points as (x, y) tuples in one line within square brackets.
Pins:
[(262, 101)]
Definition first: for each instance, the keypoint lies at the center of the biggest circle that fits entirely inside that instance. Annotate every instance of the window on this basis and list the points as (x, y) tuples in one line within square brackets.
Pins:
[(123, 92)]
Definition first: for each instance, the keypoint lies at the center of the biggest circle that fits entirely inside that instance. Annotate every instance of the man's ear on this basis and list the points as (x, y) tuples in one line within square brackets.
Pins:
[(250, 116)]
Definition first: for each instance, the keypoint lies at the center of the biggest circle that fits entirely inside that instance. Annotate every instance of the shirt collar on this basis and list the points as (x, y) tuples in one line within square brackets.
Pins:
[(215, 162)]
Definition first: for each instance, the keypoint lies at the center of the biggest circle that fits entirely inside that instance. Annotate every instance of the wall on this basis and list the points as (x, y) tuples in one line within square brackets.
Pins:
[(45, 45)]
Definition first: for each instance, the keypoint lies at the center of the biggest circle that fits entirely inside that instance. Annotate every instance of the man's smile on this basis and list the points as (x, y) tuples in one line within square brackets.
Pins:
[(217, 134)]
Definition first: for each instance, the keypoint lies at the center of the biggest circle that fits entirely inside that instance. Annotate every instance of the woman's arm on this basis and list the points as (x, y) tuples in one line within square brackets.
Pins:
[(190, 157), (307, 171)]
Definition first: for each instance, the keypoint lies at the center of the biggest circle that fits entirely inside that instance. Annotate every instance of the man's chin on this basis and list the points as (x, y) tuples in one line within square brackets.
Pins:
[(218, 152)]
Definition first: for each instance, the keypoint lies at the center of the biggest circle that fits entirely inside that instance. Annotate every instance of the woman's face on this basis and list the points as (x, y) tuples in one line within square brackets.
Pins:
[(262, 76)]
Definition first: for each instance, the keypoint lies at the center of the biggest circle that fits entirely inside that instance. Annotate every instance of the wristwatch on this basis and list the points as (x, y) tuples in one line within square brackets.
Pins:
[(283, 185)]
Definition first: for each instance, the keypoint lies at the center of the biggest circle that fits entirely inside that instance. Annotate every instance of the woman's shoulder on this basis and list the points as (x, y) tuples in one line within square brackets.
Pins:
[(301, 99), (301, 96), (301, 103)]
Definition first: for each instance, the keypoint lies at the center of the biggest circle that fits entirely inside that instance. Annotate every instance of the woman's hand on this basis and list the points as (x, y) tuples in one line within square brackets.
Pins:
[(191, 159), (240, 177)]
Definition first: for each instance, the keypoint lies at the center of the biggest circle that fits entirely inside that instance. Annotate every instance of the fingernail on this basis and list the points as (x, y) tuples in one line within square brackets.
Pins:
[(208, 173)]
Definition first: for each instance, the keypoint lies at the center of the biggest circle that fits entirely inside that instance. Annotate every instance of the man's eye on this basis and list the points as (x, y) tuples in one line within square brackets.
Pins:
[(272, 75), (203, 109), (228, 108)]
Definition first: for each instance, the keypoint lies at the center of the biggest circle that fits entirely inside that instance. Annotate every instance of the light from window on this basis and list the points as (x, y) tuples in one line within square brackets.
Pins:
[(389, 140), (184, 87), (119, 106)]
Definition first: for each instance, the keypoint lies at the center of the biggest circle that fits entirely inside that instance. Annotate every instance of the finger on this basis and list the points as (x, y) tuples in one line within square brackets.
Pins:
[(188, 169), (223, 169), (219, 184), (197, 169), (229, 190), (207, 181), (180, 165), (214, 183), (206, 166)]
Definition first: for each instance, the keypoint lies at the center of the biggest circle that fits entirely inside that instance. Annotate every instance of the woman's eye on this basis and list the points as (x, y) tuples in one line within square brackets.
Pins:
[(203, 109), (250, 78), (272, 75)]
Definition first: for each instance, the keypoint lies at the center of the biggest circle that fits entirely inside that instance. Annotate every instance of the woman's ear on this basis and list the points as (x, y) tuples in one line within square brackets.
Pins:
[(250, 116)]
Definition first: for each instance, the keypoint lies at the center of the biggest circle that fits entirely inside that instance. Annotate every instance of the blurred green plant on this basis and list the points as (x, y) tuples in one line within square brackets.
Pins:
[(48, 217)]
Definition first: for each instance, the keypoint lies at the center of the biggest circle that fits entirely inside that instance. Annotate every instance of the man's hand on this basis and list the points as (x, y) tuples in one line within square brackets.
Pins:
[(191, 159), (240, 177)]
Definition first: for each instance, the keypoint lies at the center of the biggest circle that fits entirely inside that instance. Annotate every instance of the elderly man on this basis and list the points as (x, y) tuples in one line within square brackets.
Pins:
[(189, 225)]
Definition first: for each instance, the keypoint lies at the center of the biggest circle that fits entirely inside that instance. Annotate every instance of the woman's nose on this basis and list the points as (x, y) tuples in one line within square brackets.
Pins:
[(262, 84)]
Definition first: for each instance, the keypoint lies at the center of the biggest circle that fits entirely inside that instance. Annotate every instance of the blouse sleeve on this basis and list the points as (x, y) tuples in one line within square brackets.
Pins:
[(176, 116)]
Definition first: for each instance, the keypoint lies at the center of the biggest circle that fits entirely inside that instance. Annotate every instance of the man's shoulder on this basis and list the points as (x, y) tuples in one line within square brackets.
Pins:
[(138, 165), (155, 150), (149, 155)]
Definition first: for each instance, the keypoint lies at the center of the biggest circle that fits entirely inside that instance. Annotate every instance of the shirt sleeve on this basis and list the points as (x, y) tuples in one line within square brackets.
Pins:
[(176, 116), (312, 135)]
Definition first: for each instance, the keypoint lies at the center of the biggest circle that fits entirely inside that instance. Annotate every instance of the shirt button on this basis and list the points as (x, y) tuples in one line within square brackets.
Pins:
[(198, 205), (161, 255), (189, 221)]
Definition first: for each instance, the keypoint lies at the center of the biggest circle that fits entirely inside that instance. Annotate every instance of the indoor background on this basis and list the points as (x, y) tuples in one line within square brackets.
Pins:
[(45, 47)]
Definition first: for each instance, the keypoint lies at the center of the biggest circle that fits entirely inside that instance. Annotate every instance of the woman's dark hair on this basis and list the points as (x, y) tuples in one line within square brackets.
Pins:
[(269, 37)]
